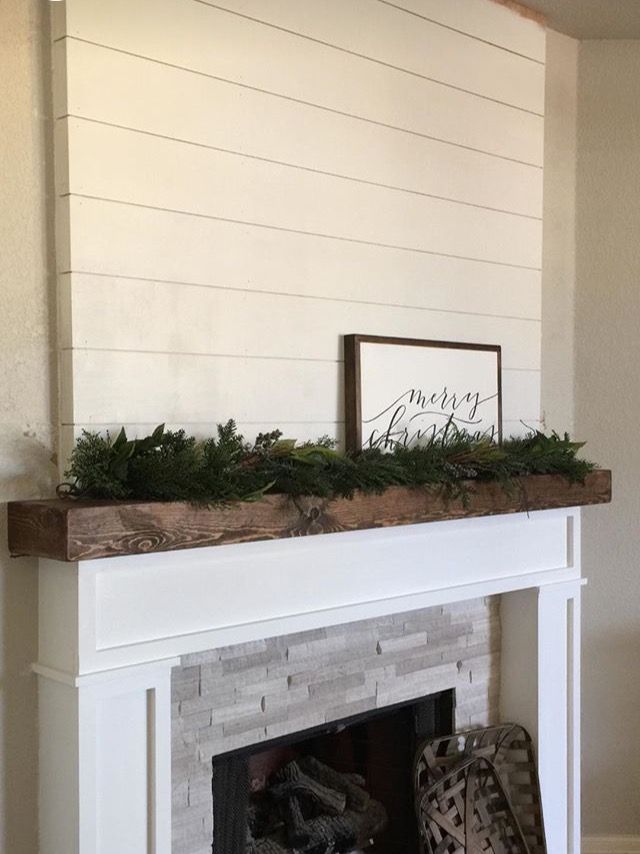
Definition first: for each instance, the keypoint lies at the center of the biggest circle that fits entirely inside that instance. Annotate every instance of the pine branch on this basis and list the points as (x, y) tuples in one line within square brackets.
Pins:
[(171, 466)]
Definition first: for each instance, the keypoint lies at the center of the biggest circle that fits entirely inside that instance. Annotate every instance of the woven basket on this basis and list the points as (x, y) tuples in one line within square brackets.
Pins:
[(442, 765), (467, 812)]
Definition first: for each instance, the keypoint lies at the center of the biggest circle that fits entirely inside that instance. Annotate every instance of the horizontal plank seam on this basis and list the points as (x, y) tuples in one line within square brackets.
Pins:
[(205, 355), (273, 423), (32, 425), (183, 423), (291, 295), (303, 102), (367, 58), (288, 230), (437, 24), (255, 357), (462, 32), (208, 423), (287, 165)]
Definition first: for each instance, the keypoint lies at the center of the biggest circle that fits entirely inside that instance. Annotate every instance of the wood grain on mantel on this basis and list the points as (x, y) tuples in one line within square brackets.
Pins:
[(82, 530)]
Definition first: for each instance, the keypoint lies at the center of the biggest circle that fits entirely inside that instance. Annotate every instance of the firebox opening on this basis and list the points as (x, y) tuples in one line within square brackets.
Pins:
[(343, 787)]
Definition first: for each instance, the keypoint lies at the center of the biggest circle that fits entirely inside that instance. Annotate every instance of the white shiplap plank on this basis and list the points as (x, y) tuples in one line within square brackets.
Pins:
[(486, 20), (121, 240), (213, 42), (120, 89), (57, 20), (521, 396), (123, 387), (415, 44), (301, 431), (520, 428), (62, 159), (59, 85), (164, 317), (63, 232), (275, 298), (109, 162)]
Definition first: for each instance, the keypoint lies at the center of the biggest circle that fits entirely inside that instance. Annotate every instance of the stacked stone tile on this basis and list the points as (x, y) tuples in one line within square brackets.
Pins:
[(237, 696)]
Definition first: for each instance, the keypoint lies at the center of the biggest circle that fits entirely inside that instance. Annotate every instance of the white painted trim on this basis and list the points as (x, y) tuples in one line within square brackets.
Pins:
[(105, 759), (110, 631), (611, 845), (199, 599), (116, 673)]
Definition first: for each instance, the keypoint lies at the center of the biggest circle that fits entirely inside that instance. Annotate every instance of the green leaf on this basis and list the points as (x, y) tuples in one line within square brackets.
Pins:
[(170, 465), (316, 453)]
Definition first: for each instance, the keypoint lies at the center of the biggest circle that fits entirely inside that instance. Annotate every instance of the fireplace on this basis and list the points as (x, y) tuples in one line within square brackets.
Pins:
[(397, 674), (348, 785), (119, 634)]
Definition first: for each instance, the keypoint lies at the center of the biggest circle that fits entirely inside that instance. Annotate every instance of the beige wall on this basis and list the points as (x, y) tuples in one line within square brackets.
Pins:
[(26, 440), (607, 414), (590, 358)]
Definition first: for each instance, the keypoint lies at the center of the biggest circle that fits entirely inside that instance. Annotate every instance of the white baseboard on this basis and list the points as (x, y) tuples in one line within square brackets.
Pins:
[(611, 845)]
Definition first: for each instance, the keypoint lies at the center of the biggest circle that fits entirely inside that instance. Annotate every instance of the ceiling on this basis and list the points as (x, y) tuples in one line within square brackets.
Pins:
[(592, 19)]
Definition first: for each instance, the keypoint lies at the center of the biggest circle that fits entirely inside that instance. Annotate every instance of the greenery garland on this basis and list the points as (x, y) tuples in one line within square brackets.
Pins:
[(172, 466)]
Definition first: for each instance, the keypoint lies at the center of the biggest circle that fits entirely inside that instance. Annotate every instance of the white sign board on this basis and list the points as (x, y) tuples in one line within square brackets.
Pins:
[(408, 391)]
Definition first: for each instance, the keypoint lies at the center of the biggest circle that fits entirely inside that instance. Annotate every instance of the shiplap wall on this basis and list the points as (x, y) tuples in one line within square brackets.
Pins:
[(241, 183)]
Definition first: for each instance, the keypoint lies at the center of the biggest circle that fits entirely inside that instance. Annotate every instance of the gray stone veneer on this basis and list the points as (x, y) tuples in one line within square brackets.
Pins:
[(236, 696)]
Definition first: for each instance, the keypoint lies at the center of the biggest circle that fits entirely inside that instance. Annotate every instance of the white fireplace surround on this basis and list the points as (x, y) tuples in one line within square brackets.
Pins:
[(112, 629)]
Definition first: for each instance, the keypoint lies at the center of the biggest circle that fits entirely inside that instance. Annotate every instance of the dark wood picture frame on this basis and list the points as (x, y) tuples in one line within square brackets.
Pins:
[(352, 376)]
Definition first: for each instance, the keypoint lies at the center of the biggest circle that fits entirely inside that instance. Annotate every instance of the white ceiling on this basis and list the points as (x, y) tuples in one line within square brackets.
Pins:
[(592, 19)]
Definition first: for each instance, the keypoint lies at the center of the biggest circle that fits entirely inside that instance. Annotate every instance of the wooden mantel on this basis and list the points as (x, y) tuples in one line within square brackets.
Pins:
[(71, 530)]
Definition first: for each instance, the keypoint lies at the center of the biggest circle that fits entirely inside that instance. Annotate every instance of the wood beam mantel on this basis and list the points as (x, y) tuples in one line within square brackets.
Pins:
[(70, 530)]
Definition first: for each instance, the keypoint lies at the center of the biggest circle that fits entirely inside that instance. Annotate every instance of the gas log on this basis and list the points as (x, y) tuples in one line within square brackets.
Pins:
[(310, 808)]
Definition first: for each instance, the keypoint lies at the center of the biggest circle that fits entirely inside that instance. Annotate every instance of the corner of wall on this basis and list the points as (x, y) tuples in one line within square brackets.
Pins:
[(559, 232)]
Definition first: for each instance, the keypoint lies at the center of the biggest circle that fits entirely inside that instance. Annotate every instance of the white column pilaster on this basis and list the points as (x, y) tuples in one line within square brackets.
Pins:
[(540, 674), (112, 629), (105, 761)]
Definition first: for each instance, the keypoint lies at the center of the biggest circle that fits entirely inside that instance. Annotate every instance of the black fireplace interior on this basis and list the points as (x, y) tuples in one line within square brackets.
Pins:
[(344, 787)]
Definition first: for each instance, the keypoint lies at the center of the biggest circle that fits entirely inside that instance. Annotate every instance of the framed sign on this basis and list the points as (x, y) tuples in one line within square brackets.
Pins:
[(409, 391)]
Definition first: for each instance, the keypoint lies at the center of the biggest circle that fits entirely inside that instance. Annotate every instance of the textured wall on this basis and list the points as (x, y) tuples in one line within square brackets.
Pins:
[(232, 697), (607, 414), (591, 313), (26, 436), (243, 182)]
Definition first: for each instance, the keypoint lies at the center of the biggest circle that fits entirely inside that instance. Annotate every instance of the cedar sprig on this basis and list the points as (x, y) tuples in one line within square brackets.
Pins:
[(172, 466)]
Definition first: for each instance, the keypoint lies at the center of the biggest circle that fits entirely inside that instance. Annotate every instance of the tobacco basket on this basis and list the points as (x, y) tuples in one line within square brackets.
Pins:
[(504, 788)]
